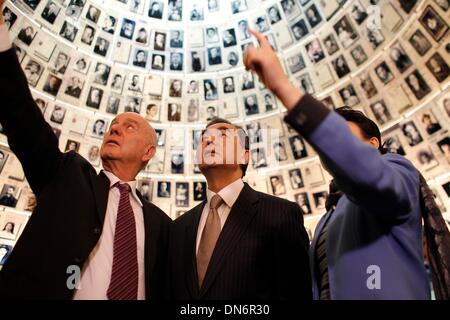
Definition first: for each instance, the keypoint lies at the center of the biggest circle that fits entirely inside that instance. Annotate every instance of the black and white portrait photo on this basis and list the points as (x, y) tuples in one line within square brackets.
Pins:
[(32, 4), (248, 81), (26, 35), (182, 194), (341, 67), (359, 55), (290, 8), (145, 187), (359, 14), (74, 8), (68, 31), (381, 112), (109, 24), (438, 67), (58, 114), (299, 29), (196, 13), (243, 30), (3, 158), (99, 128), (411, 133), (82, 65), (93, 14), (72, 145), (199, 191), (9, 196), (142, 36), (417, 85), (159, 42), (430, 122), (198, 61), (277, 185), (303, 202), (214, 56), (258, 157), (176, 38), (94, 97), (101, 46), (177, 162), (135, 84), (254, 132), (117, 83), (52, 84), (133, 104), (369, 88), (296, 178), (279, 151), (346, 33), (349, 96), (298, 147), (400, 58), (393, 145), (384, 73), (238, 6), (210, 89), (88, 35), (74, 87), (320, 199), (175, 88), (127, 29), (101, 73), (33, 71), (164, 189), (158, 62), (112, 105), (60, 63), (331, 44), (315, 51), (156, 9), (433, 23), (296, 63), (9, 17), (50, 12), (140, 58), (251, 105), (420, 43), (274, 14), (229, 38), (174, 112), (176, 61), (313, 16), (228, 85)]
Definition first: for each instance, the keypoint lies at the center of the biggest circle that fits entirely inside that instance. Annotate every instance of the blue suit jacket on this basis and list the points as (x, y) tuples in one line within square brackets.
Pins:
[(375, 230)]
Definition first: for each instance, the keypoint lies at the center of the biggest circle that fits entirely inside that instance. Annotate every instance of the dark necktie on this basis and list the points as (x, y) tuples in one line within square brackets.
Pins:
[(210, 234), (124, 277)]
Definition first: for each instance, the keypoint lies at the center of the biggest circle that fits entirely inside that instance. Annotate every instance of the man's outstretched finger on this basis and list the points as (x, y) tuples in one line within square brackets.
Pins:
[(263, 43)]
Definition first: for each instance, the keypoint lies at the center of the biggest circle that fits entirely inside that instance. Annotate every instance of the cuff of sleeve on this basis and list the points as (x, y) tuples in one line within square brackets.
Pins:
[(307, 115), (5, 42)]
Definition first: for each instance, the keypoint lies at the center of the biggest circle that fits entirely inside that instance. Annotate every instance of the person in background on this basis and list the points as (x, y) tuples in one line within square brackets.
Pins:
[(369, 243), (232, 246)]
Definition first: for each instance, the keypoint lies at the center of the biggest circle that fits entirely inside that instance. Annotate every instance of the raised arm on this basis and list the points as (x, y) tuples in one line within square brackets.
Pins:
[(29, 135), (380, 184)]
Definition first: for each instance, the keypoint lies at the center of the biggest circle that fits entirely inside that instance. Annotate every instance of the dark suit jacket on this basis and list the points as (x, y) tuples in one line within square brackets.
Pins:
[(261, 253), (71, 203)]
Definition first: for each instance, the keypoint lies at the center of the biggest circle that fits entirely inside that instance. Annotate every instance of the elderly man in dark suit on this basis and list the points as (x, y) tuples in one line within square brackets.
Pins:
[(238, 243), (91, 236)]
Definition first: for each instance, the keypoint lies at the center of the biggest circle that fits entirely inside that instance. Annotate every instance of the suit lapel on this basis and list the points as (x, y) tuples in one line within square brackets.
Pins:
[(240, 216), (190, 258), (100, 186), (152, 230)]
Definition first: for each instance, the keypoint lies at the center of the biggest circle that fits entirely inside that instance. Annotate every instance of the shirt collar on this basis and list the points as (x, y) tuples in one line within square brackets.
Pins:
[(113, 179), (229, 194)]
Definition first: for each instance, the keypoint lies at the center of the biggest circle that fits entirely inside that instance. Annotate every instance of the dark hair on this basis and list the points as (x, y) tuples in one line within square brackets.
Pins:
[(246, 141), (12, 224), (368, 128)]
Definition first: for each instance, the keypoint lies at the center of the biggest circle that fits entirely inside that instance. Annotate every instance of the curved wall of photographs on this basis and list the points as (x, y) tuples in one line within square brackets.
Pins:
[(179, 63)]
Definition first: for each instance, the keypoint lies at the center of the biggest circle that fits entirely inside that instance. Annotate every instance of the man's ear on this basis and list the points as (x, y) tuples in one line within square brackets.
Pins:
[(149, 153), (375, 142)]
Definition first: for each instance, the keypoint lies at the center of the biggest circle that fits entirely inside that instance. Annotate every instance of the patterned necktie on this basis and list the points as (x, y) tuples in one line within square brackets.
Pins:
[(124, 277), (209, 238)]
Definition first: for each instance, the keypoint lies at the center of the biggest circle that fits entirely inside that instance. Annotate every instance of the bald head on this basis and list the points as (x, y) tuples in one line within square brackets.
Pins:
[(129, 144)]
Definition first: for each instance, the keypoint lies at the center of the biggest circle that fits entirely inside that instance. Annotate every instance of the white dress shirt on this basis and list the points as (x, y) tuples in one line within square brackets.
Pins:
[(229, 194), (5, 42), (96, 274)]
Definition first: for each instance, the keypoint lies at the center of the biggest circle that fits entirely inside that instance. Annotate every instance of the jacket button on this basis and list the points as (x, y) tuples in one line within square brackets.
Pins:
[(96, 231)]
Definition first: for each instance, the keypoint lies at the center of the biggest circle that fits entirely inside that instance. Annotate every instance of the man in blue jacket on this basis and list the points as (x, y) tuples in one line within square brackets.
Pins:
[(369, 244)]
